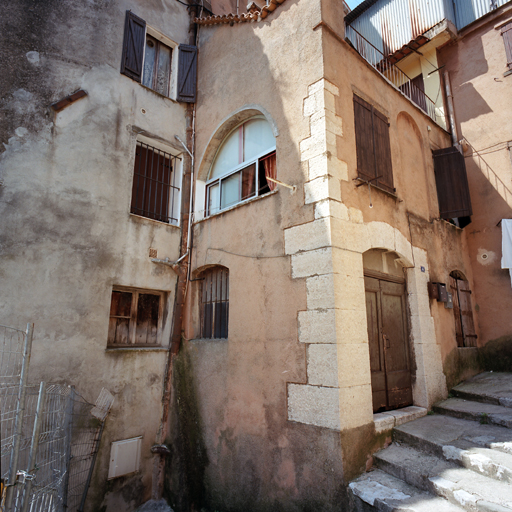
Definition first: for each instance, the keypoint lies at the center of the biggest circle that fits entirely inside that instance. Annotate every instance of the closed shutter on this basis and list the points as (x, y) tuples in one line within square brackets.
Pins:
[(506, 32), (363, 120), (382, 152), (452, 183), (456, 312), (187, 73), (466, 314), (133, 46)]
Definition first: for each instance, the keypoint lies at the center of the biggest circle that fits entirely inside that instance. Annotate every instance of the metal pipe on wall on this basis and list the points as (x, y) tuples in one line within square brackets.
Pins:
[(451, 109)]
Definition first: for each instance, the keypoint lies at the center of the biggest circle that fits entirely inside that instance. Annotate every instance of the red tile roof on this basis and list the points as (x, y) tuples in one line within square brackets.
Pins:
[(240, 18)]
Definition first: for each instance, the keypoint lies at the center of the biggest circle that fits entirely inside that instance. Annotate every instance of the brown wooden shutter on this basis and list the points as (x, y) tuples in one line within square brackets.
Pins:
[(382, 152), (456, 312), (506, 32), (466, 314), (133, 46), (187, 73), (452, 183), (363, 120)]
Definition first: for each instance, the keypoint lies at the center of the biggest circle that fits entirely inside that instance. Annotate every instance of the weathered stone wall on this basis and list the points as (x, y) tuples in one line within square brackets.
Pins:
[(66, 234)]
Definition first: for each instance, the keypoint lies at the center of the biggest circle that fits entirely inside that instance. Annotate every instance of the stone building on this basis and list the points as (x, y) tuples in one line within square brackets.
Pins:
[(264, 333)]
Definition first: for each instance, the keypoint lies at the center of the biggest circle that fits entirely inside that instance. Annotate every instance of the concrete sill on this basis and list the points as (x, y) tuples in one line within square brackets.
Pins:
[(140, 218), (390, 419), (238, 205), (136, 349)]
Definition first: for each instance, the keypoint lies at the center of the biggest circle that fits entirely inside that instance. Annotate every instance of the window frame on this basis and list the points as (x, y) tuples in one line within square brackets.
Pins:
[(132, 326), (222, 275), (175, 180), (234, 170)]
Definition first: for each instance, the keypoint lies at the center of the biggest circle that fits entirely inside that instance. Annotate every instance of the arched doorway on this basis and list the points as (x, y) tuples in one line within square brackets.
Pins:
[(388, 336)]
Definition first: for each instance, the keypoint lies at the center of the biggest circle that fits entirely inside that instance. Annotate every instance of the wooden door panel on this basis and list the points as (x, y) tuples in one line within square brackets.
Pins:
[(373, 332), (399, 398)]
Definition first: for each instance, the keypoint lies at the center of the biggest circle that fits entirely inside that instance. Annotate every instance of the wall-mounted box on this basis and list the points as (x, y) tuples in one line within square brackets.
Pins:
[(443, 292), (124, 457), (433, 291)]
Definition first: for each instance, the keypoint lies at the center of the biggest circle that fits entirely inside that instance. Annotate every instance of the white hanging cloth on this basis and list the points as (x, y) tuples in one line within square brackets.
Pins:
[(506, 245)]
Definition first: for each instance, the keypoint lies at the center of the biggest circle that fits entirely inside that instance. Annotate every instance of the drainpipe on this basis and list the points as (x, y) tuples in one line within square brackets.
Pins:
[(451, 110), (159, 450)]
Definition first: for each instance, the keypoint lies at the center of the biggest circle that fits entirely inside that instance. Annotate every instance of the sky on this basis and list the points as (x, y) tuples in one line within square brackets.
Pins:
[(353, 3)]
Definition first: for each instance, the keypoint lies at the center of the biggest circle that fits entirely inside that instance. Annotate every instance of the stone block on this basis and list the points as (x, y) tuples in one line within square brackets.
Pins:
[(417, 280), (422, 329), (312, 263), (407, 414), (322, 365), (314, 405), (350, 236), (419, 304), (381, 235), (404, 248), (355, 215), (323, 84), (325, 120), (317, 326), (353, 364), (309, 236), (318, 144), (383, 421), (351, 325), (331, 208), (325, 187), (356, 407), (320, 292), (327, 164), (349, 292), (428, 359), (347, 263)]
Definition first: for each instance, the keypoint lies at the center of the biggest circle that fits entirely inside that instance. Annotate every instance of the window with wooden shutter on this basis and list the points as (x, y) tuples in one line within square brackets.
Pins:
[(133, 46), (452, 183), (135, 318), (373, 146), (506, 32), (187, 73), (464, 325)]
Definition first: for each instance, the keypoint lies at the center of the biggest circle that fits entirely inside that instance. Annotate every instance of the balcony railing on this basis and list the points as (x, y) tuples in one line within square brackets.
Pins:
[(395, 76)]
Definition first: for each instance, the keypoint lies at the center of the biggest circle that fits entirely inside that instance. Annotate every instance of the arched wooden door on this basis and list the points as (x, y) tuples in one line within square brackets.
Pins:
[(388, 341)]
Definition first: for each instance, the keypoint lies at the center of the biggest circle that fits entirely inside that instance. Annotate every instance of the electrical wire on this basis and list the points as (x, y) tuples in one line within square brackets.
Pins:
[(246, 255)]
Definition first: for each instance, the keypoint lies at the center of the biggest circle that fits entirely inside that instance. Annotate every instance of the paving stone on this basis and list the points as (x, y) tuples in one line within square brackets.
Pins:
[(490, 387)]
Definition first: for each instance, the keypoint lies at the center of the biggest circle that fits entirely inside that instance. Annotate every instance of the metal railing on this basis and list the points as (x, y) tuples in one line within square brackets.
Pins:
[(393, 75)]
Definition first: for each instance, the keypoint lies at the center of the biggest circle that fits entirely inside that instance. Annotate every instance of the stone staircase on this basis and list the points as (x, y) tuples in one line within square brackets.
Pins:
[(458, 459)]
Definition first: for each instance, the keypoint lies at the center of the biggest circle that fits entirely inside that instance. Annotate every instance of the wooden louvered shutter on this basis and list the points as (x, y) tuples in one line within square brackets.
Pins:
[(452, 183), (363, 121), (187, 73), (456, 312), (382, 152), (466, 314), (506, 32), (133, 46)]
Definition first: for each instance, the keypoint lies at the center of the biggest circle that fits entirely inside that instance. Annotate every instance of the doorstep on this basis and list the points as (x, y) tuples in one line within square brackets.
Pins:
[(389, 419)]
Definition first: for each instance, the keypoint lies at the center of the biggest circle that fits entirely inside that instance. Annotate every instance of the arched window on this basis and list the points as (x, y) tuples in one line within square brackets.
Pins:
[(245, 160), (215, 302)]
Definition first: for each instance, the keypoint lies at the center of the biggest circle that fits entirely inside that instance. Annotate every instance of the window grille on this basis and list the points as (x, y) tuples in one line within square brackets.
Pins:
[(155, 191), (215, 303)]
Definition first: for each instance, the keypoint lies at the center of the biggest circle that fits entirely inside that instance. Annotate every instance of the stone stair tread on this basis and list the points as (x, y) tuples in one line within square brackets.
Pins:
[(496, 414), (439, 430), (413, 466), (490, 387), (387, 493)]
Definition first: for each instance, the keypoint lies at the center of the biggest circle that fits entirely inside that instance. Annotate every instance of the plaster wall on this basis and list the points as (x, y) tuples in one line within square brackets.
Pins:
[(66, 233), (477, 63), (293, 377)]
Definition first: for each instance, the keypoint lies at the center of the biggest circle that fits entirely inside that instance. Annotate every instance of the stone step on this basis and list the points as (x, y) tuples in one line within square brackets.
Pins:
[(380, 491), (460, 486), (476, 411), (490, 387), (432, 433)]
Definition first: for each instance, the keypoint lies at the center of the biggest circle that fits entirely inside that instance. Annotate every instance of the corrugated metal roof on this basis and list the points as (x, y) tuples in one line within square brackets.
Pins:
[(467, 11)]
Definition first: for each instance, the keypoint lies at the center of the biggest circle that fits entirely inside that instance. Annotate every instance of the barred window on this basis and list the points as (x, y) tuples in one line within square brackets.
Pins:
[(215, 303), (155, 191)]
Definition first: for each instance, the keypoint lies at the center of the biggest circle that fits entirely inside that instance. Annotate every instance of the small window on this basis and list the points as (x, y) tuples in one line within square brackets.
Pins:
[(463, 312), (155, 189), (135, 318), (372, 145), (244, 166), (215, 303), (506, 32), (157, 66)]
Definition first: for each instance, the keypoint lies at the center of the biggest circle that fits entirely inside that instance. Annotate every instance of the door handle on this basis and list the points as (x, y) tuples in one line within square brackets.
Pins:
[(387, 343)]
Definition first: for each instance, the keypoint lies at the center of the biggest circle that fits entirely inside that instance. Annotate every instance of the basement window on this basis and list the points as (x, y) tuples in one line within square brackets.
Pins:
[(135, 318)]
